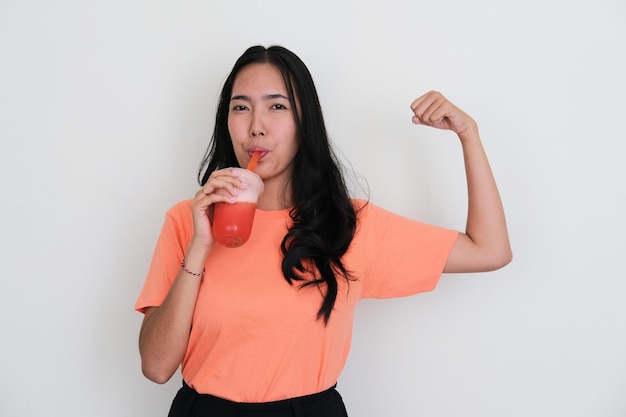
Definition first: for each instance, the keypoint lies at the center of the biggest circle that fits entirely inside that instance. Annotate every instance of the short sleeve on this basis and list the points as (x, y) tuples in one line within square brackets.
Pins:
[(171, 245), (401, 256)]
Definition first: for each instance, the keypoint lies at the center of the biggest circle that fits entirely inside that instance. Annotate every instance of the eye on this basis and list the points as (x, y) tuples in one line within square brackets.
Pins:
[(239, 107), (279, 106)]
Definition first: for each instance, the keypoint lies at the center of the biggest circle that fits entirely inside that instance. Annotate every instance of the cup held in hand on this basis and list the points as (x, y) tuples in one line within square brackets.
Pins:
[(232, 222)]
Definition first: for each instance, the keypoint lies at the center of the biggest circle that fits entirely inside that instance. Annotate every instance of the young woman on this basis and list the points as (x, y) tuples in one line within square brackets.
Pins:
[(266, 328)]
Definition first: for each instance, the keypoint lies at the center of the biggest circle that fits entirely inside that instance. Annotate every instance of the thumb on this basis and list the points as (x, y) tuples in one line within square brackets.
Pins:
[(416, 120)]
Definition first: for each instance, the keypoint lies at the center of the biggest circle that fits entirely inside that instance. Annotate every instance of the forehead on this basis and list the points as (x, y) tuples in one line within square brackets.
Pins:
[(259, 77)]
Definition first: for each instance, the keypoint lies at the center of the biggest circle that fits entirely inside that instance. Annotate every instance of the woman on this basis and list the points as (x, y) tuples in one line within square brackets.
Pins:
[(266, 328)]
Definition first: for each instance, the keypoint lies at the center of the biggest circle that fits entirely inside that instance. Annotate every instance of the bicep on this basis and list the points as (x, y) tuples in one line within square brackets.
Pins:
[(467, 256)]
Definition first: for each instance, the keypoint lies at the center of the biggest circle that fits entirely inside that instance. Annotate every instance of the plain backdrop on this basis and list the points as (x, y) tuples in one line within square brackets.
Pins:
[(106, 107)]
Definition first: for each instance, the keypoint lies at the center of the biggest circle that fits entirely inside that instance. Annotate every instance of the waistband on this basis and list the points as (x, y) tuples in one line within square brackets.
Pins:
[(206, 404)]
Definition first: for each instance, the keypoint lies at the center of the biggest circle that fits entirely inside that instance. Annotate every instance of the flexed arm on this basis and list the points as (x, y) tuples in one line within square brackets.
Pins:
[(485, 244)]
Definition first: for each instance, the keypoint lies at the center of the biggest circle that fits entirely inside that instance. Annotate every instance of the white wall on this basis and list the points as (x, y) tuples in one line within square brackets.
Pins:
[(106, 108)]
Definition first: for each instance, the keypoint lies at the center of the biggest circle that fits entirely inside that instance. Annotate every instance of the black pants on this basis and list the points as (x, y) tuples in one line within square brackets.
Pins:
[(188, 403)]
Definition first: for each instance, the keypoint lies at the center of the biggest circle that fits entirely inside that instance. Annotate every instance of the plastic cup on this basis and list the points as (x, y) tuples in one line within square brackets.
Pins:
[(232, 222)]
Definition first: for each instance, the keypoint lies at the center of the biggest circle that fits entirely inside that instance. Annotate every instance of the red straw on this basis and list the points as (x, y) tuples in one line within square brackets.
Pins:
[(254, 160)]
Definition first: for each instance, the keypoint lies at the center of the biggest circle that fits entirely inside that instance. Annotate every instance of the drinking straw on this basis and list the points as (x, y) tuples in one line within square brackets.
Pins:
[(254, 160)]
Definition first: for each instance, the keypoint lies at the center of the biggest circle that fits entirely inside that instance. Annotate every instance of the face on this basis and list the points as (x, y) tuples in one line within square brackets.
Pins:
[(260, 118)]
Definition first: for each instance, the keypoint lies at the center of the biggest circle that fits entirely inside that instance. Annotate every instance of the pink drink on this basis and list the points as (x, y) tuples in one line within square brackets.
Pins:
[(232, 222)]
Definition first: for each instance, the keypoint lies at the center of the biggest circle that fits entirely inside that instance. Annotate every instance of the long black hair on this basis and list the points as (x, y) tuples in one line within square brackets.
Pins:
[(324, 219)]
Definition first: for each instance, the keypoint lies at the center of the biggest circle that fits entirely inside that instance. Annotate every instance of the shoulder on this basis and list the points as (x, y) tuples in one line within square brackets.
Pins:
[(378, 220), (366, 210), (180, 210), (360, 204), (179, 215)]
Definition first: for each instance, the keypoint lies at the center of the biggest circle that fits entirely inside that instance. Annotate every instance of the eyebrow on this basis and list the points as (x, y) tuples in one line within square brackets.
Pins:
[(265, 97)]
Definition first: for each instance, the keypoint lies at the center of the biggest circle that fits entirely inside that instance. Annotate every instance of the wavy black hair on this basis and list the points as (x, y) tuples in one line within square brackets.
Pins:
[(324, 219)]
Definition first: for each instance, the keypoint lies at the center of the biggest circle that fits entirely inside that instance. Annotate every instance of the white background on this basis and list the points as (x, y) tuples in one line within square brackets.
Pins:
[(106, 107)]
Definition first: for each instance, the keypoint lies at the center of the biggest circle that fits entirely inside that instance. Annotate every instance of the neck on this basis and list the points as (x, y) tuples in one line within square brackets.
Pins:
[(275, 197)]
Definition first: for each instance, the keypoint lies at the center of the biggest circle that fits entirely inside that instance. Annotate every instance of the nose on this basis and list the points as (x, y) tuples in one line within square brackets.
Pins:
[(257, 128)]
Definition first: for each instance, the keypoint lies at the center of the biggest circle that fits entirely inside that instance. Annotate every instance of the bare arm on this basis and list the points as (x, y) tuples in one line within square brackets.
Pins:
[(164, 333), (165, 330), (485, 244)]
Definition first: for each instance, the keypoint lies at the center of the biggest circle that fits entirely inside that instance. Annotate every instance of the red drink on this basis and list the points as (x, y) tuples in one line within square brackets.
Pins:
[(232, 223)]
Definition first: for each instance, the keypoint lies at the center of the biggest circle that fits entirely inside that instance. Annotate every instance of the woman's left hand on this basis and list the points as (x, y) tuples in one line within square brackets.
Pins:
[(433, 109)]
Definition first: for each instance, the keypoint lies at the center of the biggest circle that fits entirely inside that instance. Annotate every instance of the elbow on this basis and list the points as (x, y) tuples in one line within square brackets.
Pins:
[(470, 256), (156, 373), (507, 256), (500, 259)]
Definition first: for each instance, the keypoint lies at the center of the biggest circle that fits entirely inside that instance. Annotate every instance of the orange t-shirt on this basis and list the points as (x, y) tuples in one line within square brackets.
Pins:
[(254, 337)]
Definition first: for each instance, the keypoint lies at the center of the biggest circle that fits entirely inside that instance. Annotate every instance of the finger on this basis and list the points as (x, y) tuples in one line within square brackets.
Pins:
[(425, 99), (416, 103), (428, 112), (201, 193), (202, 200), (231, 184), (221, 194), (436, 113), (422, 105)]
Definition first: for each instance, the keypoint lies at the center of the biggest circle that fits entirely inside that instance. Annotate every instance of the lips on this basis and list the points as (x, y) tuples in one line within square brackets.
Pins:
[(258, 149)]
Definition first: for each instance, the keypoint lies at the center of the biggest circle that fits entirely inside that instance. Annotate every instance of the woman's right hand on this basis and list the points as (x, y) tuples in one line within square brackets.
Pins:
[(221, 186)]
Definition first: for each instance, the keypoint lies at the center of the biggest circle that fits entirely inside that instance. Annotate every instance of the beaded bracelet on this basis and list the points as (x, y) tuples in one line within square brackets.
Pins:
[(182, 265)]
